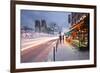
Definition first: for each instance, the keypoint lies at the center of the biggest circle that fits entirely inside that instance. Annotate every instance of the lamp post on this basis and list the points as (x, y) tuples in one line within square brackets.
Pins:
[(79, 37)]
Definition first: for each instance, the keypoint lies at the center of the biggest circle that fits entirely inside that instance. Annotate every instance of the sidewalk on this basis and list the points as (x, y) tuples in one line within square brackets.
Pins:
[(66, 52)]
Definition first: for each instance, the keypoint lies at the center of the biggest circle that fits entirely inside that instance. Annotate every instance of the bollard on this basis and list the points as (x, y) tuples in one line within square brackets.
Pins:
[(54, 53)]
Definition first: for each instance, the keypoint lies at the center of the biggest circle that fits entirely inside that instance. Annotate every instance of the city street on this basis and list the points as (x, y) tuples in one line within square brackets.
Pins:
[(42, 50), (54, 36), (38, 50)]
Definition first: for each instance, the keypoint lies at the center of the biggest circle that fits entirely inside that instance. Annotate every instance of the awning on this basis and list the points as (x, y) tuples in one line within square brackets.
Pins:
[(77, 26)]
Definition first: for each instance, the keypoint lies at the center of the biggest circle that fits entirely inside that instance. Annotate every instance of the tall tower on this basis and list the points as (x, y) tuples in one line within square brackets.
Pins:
[(43, 26), (37, 26)]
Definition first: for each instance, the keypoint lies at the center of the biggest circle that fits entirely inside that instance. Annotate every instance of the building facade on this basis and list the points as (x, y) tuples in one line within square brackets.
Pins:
[(79, 29)]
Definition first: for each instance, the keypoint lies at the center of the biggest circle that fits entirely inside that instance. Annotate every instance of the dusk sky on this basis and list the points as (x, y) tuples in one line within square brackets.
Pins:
[(28, 18)]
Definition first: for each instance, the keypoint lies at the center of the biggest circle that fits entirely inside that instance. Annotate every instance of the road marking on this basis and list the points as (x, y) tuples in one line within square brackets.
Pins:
[(38, 43)]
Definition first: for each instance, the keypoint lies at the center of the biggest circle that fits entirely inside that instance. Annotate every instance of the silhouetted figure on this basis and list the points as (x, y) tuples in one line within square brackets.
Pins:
[(63, 38), (60, 38)]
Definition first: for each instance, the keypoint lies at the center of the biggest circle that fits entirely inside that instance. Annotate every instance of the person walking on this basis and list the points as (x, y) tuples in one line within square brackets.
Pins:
[(60, 37), (63, 38)]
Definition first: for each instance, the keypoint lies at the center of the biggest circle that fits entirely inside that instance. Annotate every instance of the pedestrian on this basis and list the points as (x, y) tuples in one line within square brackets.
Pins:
[(60, 38), (63, 38)]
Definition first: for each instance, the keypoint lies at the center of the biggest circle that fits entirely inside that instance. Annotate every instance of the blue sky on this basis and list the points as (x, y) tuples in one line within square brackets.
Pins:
[(60, 18)]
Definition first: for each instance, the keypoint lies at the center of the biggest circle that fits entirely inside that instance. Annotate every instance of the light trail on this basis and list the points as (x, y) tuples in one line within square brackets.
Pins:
[(38, 42)]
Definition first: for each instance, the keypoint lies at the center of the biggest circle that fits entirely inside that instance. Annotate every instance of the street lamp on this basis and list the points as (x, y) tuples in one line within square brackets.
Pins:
[(79, 37)]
